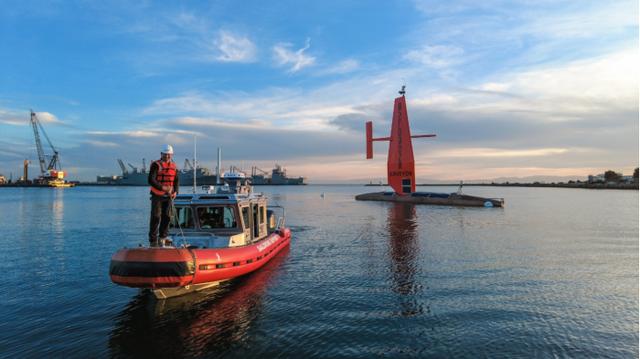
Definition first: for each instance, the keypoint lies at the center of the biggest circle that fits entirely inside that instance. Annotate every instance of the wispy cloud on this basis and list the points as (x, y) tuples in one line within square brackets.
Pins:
[(436, 56), (499, 152), (342, 67), (172, 39), (235, 48), (47, 117), (132, 133), (22, 118), (297, 60), (102, 143), (281, 108)]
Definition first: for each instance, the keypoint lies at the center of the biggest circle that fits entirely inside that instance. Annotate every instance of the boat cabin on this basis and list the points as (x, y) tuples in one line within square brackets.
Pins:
[(232, 216)]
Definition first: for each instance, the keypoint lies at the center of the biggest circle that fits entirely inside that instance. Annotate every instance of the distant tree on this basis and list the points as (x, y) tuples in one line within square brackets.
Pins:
[(612, 176), (635, 174)]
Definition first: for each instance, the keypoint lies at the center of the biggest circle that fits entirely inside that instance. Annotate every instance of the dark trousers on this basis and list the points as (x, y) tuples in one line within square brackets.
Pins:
[(160, 214)]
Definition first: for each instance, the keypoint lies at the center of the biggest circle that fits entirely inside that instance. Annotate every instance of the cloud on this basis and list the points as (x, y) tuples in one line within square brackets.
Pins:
[(436, 56), (175, 38), (22, 118), (280, 108), (298, 60), (234, 48), (342, 67), (499, 152), (102, 144), (132, 133), (586, 21), (572, 118), (46, 117), (13, 119)]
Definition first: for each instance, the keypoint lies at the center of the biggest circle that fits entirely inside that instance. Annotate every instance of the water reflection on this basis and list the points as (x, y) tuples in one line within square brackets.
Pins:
[(58, 210), (209, 322), (404, 252)]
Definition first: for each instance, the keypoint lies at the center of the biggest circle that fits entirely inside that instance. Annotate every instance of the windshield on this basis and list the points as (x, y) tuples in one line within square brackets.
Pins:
[(183, 218), (216, 217)]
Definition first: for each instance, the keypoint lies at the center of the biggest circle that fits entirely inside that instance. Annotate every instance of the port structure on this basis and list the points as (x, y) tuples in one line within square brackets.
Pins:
[(50, 171), (400, 162)]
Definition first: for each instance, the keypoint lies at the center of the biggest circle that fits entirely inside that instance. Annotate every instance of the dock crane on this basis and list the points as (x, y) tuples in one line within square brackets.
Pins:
[(123, 168), (256, 169), (50, 172), (187, 165)]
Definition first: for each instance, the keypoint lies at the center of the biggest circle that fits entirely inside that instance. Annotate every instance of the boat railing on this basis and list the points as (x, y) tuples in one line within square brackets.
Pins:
[(281, 220), (196, 234)]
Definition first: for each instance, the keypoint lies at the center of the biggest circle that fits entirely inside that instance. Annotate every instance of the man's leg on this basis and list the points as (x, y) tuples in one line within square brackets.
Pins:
[(166, 218), (154, 220)]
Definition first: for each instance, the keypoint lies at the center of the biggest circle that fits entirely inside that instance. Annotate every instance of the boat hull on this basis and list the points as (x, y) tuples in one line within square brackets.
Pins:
[(171, 271), (443, 199)]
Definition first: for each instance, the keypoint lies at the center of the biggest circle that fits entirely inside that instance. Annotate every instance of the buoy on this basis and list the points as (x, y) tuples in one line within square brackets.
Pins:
[(488, 204)]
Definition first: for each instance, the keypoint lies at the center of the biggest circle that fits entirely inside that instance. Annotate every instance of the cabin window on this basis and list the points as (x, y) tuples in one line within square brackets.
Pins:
[(182, 218), (245, 217), (256, 226), (216, 217), (263, 215), (406, 185)]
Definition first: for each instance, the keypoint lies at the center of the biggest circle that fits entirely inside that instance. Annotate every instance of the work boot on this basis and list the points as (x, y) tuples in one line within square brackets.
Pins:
[(166, 242)]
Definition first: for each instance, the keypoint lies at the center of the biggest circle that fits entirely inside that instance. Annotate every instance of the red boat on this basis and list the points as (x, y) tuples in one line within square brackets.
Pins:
[(215, 237)]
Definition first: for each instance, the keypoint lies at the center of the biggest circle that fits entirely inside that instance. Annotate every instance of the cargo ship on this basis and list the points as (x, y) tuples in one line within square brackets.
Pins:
[(278, 177), (139, 176), (134, 176)]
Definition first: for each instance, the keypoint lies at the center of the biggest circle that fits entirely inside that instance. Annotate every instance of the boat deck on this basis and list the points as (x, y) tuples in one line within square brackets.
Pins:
[(433, 198)]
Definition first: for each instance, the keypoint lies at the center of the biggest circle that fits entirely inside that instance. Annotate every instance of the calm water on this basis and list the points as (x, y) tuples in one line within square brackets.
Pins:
[(554, 274)]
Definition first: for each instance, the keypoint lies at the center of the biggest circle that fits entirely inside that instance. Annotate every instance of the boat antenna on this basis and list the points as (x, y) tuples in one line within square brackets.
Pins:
[(402, 90), (218, 168), (195, 163)]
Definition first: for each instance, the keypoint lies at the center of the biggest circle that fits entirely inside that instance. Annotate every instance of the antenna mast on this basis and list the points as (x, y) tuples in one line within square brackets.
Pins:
[(218, 169), (195, 163)]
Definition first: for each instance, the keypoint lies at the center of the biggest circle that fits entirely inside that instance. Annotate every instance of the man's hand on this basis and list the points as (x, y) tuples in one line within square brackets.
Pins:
[(167, 189), (173, 195)]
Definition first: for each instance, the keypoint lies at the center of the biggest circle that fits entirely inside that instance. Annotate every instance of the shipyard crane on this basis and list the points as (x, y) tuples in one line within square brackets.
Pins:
[(54, 163), (256, 169), (123, 167), (187, 165), (51, 173)]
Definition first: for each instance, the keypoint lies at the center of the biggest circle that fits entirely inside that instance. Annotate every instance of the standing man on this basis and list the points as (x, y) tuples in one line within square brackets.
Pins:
[(163, 179)]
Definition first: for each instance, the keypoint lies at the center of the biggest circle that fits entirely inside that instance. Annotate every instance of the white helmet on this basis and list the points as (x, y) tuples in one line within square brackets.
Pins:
[(167, 149)]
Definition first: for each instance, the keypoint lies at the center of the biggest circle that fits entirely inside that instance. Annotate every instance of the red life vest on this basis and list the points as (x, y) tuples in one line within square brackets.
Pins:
[(167, 172)]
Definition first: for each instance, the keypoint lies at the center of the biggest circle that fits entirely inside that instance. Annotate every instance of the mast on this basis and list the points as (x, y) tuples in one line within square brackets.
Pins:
[(218, 167), (195, 163)]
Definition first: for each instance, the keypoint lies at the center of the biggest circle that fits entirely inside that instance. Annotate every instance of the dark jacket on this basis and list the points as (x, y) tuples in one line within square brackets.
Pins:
[(153, 182)]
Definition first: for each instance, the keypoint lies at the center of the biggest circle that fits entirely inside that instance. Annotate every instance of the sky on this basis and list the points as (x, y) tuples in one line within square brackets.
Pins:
[(513, 88)]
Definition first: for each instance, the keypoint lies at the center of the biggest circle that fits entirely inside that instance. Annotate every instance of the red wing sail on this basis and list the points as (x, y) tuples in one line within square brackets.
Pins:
[(369, 134), (400, 163)]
